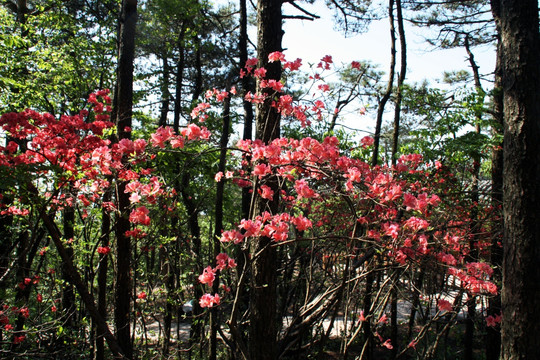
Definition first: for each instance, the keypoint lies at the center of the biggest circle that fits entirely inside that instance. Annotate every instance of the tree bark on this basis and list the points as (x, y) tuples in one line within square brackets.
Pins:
[(241, 252), (169, 286), (220, 192), (180, 64), (68, 296), (126, 56), (102, 277), (247, 86), (195, 247), (390, 84), (401, 80), (521, 193), (165, 95), (475, 197), (198, 81), (263, 336)]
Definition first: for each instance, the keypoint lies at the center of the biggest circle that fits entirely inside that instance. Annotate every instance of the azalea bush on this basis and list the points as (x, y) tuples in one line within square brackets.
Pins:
[(353, 239), (355, 220), (71, 163)]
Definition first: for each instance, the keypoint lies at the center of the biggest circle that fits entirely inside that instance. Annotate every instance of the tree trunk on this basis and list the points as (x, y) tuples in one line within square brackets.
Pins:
[(415, 302), (180, 64), (68, 296), (247, 86), (475, 197), (390, 84), (367, 303), (102, 277), (165, 96), (198, 81), (220, 191), (126, 55), (169, 286), (241, 252), (263, 337), (195, 231), (394, 330), (521, 193), (401, 80)]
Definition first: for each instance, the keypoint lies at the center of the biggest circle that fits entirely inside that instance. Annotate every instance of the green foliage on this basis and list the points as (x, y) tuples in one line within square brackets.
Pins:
[(455, 21), (53, 58), (187, 36), (443, 125)]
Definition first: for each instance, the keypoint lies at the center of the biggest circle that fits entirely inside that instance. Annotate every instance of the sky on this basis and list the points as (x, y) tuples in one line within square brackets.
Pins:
[(310, 40)]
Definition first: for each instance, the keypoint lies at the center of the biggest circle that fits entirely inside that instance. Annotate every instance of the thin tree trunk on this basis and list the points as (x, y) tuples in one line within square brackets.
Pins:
[(394, 321), (180, 64), (220, 192), (366, 326), (165, 96), (22, 9), (68, 296), (197, 82), (418, 283), (389, 86), (102, 277), (22, 294), (473, 253), (368, 341), (6, 221), (401, 80), (195, 231), (167, 321), (247, 84)]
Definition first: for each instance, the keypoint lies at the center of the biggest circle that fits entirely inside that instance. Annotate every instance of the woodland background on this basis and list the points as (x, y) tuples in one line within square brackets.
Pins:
[(220, 202)]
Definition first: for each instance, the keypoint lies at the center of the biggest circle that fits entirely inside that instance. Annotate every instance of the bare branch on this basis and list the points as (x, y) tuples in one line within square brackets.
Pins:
[(309, 14)]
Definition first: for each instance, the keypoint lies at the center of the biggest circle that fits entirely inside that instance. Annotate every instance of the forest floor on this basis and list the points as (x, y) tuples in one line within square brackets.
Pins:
[(155, 330)]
